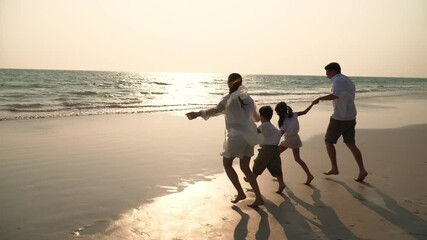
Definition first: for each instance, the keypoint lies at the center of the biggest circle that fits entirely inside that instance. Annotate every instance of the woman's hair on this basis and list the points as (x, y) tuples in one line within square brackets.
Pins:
[(237, 79), (284, 111), (234, 77)]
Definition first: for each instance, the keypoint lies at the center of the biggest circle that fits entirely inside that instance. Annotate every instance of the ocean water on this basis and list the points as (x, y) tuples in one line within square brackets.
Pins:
[(26, 94)]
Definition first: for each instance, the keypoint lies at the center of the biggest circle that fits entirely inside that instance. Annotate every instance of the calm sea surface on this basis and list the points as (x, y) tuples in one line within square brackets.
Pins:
[(51, 93)]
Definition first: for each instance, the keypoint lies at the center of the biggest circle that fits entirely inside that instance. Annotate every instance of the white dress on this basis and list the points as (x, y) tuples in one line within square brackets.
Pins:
[(241, 133), (291, 128)]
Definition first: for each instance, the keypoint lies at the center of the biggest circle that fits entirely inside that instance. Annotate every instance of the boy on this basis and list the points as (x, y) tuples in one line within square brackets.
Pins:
[(269, 155)]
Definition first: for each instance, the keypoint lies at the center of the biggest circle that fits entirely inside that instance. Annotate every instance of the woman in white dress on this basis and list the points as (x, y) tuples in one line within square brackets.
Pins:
[(241, 134)]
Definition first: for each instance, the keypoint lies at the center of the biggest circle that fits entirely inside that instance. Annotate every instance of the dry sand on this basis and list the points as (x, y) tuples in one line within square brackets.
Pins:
[(157, 176)]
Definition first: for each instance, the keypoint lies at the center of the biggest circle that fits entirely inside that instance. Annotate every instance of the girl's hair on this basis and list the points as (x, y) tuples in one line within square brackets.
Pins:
[(284, 111)]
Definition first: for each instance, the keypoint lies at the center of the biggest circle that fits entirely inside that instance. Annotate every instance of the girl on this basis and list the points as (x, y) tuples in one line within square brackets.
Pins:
[(289, 126)]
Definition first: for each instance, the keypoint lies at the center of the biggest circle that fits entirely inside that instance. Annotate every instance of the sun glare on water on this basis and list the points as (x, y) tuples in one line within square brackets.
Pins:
[(190, 89)]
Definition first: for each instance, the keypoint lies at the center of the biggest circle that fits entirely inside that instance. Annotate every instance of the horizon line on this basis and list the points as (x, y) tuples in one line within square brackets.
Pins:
[(197, 72)]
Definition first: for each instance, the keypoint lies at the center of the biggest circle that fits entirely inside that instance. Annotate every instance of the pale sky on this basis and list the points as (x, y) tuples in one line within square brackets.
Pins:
[(298, 37)]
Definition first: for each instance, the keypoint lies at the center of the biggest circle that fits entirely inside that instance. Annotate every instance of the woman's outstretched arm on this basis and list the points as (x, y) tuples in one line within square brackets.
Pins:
[(205, 114)]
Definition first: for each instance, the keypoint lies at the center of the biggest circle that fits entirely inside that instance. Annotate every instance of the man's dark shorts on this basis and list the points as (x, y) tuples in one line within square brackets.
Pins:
[(336, 128)]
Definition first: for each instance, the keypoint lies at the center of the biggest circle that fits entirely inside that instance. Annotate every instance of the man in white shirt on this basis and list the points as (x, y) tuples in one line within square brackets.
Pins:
[(343, 119)]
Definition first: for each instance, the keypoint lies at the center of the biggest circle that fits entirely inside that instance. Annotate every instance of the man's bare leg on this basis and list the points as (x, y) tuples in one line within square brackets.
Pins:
[(359, 160), (232, 175), (333, 157)]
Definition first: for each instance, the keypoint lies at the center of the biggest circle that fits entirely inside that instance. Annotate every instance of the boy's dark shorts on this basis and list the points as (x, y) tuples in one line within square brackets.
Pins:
[(268, 157), (336, 128)]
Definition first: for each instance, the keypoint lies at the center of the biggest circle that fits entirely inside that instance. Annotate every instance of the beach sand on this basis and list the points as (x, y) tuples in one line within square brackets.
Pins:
[(391, 204), (159, 176)]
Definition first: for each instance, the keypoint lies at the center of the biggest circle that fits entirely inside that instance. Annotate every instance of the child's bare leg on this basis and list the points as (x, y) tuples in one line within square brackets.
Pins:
[(298, 159), (232, 175), (282, 149), (244, 166), (282, 184)]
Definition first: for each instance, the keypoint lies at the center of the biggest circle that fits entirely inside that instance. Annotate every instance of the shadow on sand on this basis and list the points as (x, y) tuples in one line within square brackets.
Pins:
[(297, 226), (327, 220), (294, 224), (394, 213), (241, 230)]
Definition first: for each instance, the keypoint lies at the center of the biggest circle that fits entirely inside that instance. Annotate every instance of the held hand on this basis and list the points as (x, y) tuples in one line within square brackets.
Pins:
[(192, 115)]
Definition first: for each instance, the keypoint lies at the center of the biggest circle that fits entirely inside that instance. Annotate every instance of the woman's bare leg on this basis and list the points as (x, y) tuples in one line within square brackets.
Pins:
[(232, 175)]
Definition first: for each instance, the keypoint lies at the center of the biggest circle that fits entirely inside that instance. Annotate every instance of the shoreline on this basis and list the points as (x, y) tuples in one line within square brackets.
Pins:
[(363, 99)]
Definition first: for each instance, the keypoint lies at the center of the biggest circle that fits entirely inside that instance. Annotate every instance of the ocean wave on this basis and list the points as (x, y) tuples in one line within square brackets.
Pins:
[(107, 105), (84, 93), (130, 99), (217, 93), (12, 109), (160, 83), (64, 113), (366, 91), (286, 93), (25, 105), (73, 104), (287, 100), (376, 90), (279, 93), (152, 93)]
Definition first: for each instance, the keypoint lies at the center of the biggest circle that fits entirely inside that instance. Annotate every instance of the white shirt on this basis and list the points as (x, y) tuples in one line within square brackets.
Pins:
[(239, 120), (271, 133), (290, 125), (344, 107), (233, 119)]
